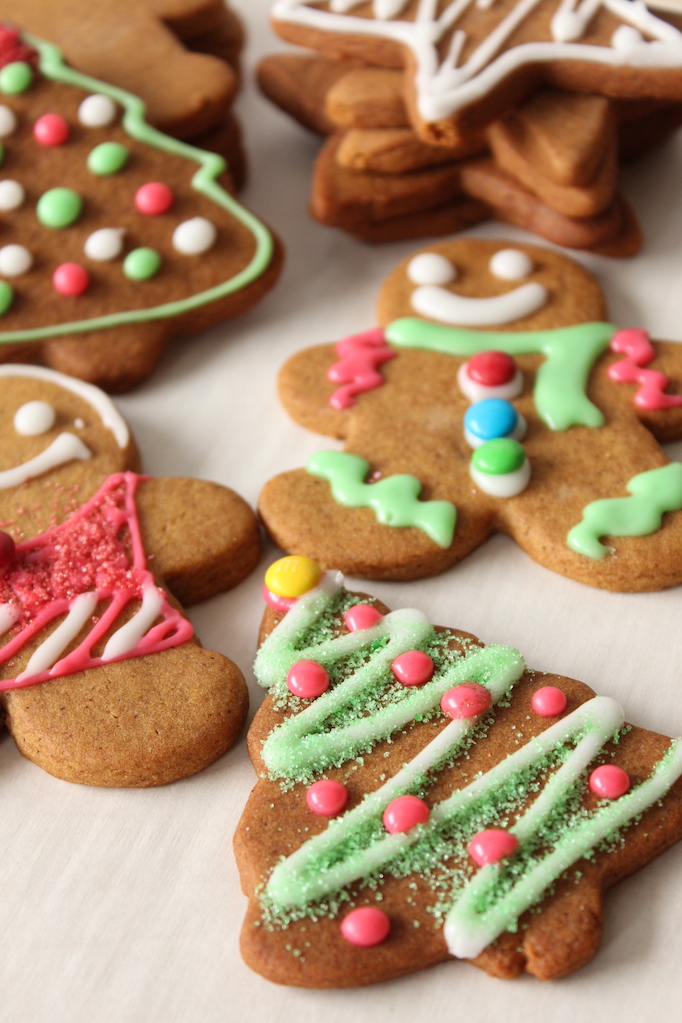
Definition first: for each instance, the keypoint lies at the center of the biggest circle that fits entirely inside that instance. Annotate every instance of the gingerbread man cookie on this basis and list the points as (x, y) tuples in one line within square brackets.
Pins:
[(101, 679), (493, 398)]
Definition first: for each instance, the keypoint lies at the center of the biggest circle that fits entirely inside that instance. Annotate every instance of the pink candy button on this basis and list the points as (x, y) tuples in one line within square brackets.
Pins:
[(404, 813), (492, 368), (361, 616), (51, 130), (413, 668), (492, 845), (466, 700), (153, 198), (365, 927), (327, 797), (549, 701), (71, 279), (307, 679), (276, 602), (609, 781)]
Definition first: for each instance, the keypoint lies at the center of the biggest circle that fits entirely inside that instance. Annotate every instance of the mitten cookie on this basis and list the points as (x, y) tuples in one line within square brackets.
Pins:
[(424, 797), (102, 681), (494, 397)]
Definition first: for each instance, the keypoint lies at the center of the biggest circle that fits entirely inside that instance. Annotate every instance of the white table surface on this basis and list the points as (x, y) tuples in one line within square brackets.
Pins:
[(125, 905)]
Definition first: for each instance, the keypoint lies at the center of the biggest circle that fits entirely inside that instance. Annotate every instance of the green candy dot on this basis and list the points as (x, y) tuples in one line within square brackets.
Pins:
[(499, 457), (15, 78), (141, 264), (59, 207), (6, 296), (108, 158)]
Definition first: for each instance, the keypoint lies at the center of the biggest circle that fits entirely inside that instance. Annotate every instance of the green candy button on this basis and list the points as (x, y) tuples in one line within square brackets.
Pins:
[(6, 296), (108, 158), (141, 264), (499, 457), (60, 207), (15, 78)]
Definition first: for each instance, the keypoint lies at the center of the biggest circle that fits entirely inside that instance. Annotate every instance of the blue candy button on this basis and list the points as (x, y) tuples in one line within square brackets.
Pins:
[(491, 418)]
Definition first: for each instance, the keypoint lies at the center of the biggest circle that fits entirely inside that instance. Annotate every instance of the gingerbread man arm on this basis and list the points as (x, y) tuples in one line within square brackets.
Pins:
[(665, 423), (305, 391)]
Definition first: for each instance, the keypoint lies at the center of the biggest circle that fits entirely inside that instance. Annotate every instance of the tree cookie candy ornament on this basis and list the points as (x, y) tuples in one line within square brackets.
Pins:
[(101, 678), (493, 398), (115, 236), (479, 813)]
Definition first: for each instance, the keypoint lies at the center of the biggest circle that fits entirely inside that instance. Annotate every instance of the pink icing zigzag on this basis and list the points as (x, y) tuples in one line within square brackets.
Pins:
[(360, 354), (638, 351)]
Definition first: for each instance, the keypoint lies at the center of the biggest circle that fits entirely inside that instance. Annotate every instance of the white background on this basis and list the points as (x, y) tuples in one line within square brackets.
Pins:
[(125, 905)]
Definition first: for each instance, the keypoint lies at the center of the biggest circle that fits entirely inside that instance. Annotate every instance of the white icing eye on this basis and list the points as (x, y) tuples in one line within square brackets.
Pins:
[(14, 260), (34, 418), (194, 236), (12, 194), (431, 268), (626, 39), (104, 244), (96, 111), (510, 265), (8, 121)]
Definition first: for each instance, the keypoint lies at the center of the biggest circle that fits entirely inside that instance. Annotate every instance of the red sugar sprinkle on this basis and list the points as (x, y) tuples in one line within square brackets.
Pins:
[(12, 48)]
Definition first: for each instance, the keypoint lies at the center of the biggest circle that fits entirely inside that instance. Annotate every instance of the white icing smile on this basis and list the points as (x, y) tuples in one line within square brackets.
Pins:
[(64, 448)]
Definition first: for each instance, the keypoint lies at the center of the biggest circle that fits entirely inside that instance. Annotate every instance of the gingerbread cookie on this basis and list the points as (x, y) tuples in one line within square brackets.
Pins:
[(434, 798), (494, 397), (115, 236), (102, 680)]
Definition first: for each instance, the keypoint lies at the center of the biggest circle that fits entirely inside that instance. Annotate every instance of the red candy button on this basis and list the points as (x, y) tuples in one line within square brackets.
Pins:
[(466, 700), (404, 813), (71, 279), (327, 797), (362, 616), (492, 369), (413, 668), (51, 130), (609, 781), (307, 679), (153, 198), (549, 701), (491, 846), (365, 927)]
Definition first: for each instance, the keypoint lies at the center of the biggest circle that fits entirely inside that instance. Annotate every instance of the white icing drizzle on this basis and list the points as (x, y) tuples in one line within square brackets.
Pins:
[(49, 651), (34, 418), (9, 614), (504, 485), (465, 311), (129, 635), (510, 264), (431, 268), (64, 448), (475, 391)]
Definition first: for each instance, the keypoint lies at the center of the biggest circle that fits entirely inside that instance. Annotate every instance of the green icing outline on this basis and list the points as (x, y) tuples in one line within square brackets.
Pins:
[(52, 65)]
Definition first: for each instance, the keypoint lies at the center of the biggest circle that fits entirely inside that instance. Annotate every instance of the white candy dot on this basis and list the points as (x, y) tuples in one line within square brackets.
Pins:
[(626, 38), (431, 268), (96, 111), (34, 418), (12, 194), (14, 260), (194, 236), (8, 121), (511, 264), (104, 244)]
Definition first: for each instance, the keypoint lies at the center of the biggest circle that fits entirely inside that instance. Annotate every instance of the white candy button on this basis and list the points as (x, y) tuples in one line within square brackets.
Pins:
[(96, 111), (12, 194), (431, 268), (14, 260), (194, 236), (34, 418), (104, 244), (8, 121)]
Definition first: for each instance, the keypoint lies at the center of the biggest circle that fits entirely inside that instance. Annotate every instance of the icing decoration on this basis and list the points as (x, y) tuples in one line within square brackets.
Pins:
[(413, 668), (12, 194), (292, 576), (8, 121), (444, 86), (51, 130), (357, 370), (394, 499), (653, 493), (7, 555), (467, 700), (609, 781), (307, 679), (639, 351), (104, 244), (96, 111), (492, 845), (404, 813), (12, 49), (510, 264), (141, 264), (108, 158), (59, 207), (66, 447), (560, 382), (275, 602), (361, 616), (194, 236), (15, 78), (366, 927), (327, 798), (6, 296), (71, 279), (153, 198), (491, 419), (94, 557), (549, 702), (431, 268), (447, 307), (34, 418), (500, 468), (15, 260)]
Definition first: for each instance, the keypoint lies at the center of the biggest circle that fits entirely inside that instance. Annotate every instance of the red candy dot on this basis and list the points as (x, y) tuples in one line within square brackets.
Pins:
[(404, 813), (365, 927), (413, 668), (362, 616), (549, 701), (7, 551), (51, 130), (153, 198), (466, 700), (307, 679), (492, 845), (71, 279), (492, 369), (327, 797), (609, 781)]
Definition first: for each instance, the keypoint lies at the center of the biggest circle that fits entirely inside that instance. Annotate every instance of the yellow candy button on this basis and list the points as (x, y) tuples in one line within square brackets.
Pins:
[(293, 576)]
